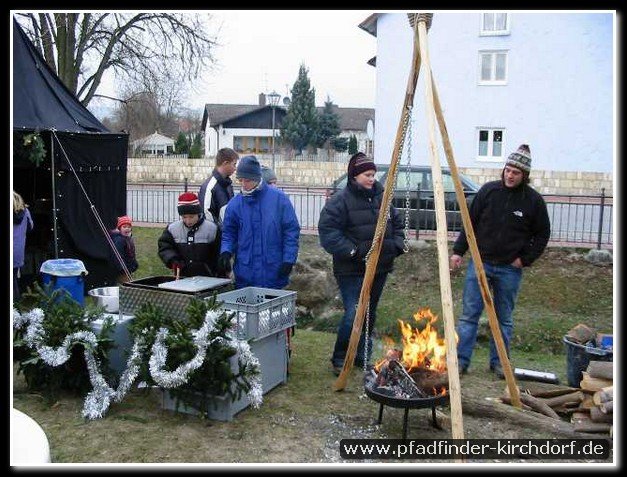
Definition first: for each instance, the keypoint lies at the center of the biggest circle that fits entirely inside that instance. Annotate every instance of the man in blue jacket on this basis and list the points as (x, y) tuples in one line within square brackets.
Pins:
[(260, 230), (512, 227)]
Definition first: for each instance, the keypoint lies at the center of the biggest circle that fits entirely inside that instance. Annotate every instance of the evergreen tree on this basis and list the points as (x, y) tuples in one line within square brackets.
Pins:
[(340, 144), (300, 125), (329, 125), (352, 145), (181, 146), (195, 151)]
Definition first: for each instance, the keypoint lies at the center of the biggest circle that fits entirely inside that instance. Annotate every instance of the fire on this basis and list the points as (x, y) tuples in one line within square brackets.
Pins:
[(421, 348)]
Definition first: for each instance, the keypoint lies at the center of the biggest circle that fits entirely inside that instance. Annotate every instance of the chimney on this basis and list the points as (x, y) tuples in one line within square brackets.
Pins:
[(262, 99)]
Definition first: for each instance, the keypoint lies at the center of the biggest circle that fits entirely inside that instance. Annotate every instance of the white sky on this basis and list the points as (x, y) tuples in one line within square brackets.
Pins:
[(262, 50)]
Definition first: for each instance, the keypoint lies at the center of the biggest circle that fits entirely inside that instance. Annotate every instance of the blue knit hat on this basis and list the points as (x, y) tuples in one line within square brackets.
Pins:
[(248, 167)]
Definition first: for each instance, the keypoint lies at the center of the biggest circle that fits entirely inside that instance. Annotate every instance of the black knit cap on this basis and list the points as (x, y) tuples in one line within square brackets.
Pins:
[(188, 204), (359, 163)]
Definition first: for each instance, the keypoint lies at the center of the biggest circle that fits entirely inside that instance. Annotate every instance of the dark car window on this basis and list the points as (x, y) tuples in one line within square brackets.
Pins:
[(418, 179), (415, 180)]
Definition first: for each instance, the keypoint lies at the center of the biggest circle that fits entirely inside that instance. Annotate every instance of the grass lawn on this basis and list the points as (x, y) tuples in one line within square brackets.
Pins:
[(303, 420)]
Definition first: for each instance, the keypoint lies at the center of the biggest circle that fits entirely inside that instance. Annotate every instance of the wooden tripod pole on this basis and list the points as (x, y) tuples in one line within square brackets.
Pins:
[(371, 265), (446, 295), (474, 251)]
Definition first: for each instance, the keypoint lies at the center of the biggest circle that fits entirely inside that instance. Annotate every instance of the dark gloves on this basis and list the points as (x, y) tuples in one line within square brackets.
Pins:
[(363, 248), (286, 269), (224, 263)]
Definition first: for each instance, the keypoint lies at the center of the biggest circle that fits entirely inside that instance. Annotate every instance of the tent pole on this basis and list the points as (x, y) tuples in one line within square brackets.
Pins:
[(54, 199)]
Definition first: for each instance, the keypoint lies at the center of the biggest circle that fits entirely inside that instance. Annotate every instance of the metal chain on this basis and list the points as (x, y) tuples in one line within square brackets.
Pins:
[(406, 125), (392, 184), (367, 331), (408, 184)]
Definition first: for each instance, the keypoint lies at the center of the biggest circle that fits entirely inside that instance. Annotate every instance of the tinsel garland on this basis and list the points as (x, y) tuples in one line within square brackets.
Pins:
[(99, 399), (180, 376)]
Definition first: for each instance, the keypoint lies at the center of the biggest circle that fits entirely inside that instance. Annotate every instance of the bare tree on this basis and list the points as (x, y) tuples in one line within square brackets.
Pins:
[(80, 47)]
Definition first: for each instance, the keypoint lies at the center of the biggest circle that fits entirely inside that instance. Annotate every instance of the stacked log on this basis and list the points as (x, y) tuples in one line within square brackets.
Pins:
[(596, 413), (551, 400), (590, 407)]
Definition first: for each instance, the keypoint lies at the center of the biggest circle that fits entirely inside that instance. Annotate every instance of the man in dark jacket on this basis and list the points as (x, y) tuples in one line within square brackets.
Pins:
[(217, 190), (188, 246), (346, 228), (512, 227)]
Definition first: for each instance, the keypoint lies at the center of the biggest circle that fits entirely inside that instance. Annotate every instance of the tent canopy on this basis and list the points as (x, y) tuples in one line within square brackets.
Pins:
[(40, 100), (85, 164)]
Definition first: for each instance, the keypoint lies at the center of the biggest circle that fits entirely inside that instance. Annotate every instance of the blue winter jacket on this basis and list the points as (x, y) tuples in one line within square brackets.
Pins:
[(261, 230)]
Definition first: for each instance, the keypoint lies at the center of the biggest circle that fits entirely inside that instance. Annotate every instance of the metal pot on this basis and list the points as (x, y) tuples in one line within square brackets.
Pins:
[(109, 297)]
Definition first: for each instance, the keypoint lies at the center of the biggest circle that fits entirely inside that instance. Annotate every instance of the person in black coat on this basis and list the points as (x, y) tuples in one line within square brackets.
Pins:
[(122, 238), (217, 190), (512, 227), (346, 229), (188, 246)]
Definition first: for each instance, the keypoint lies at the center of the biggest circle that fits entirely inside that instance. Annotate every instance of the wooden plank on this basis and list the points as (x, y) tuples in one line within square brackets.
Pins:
[(514, 392), (446, 293), (371, 265)]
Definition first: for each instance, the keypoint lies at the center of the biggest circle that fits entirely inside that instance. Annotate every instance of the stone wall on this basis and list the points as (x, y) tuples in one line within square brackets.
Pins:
[(322, 174)]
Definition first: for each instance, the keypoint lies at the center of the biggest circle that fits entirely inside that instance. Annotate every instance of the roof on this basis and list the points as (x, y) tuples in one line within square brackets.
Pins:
[(41, 100), (155, 139), (350, 118), (370, 24)]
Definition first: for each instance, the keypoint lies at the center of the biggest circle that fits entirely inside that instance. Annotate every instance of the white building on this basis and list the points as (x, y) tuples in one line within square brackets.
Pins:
[(156, 144), (248, 128), (541, 78)]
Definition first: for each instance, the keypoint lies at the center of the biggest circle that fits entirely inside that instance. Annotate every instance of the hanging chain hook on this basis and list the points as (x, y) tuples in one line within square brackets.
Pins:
[(408, 183)]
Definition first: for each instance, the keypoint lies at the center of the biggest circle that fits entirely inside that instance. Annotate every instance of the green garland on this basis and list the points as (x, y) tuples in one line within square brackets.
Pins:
[(215, 377), (29, 146), (64, 316)]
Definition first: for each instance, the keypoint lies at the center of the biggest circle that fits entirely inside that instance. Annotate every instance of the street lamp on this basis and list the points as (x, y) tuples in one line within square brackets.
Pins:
[(274, 100)]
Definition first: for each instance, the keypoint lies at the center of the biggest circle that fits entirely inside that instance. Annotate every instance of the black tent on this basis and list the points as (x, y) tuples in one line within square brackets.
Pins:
[(82, 177)]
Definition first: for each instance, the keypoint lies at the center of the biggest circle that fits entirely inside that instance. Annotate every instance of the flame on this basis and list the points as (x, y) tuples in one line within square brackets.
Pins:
[(423, 349)]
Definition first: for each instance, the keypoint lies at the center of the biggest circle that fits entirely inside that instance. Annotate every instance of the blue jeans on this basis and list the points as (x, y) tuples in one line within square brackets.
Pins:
[(350, 288), (504, 283)]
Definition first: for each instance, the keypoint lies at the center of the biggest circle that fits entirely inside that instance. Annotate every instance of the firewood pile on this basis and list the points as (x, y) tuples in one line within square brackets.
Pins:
[(589, 408), (596, 411)]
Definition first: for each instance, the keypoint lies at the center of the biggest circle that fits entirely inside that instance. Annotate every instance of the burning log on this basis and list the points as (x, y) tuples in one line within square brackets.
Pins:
[(394, 375), (430, 380)]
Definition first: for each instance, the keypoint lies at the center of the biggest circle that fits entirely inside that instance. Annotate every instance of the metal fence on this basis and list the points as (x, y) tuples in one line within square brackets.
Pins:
[(585, 221)]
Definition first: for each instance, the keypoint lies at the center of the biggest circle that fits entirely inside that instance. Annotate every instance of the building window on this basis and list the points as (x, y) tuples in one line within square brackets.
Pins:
[(490, 144), (493, 24), (492, 67), (252, 144)]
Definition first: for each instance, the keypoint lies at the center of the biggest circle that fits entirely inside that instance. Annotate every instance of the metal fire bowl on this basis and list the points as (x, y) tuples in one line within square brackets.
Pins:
[(402, 403)]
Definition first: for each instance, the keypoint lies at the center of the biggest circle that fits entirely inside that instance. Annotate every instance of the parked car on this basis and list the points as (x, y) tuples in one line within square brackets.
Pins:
[(420, 184)]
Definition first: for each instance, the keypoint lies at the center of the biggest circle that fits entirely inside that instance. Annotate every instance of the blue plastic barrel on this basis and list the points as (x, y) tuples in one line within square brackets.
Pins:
[(67, 274), (579, 356)]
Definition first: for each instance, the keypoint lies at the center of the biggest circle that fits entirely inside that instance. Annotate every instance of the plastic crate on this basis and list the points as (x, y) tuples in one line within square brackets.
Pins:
[(272, 354), (259, 311), (135, 293)]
